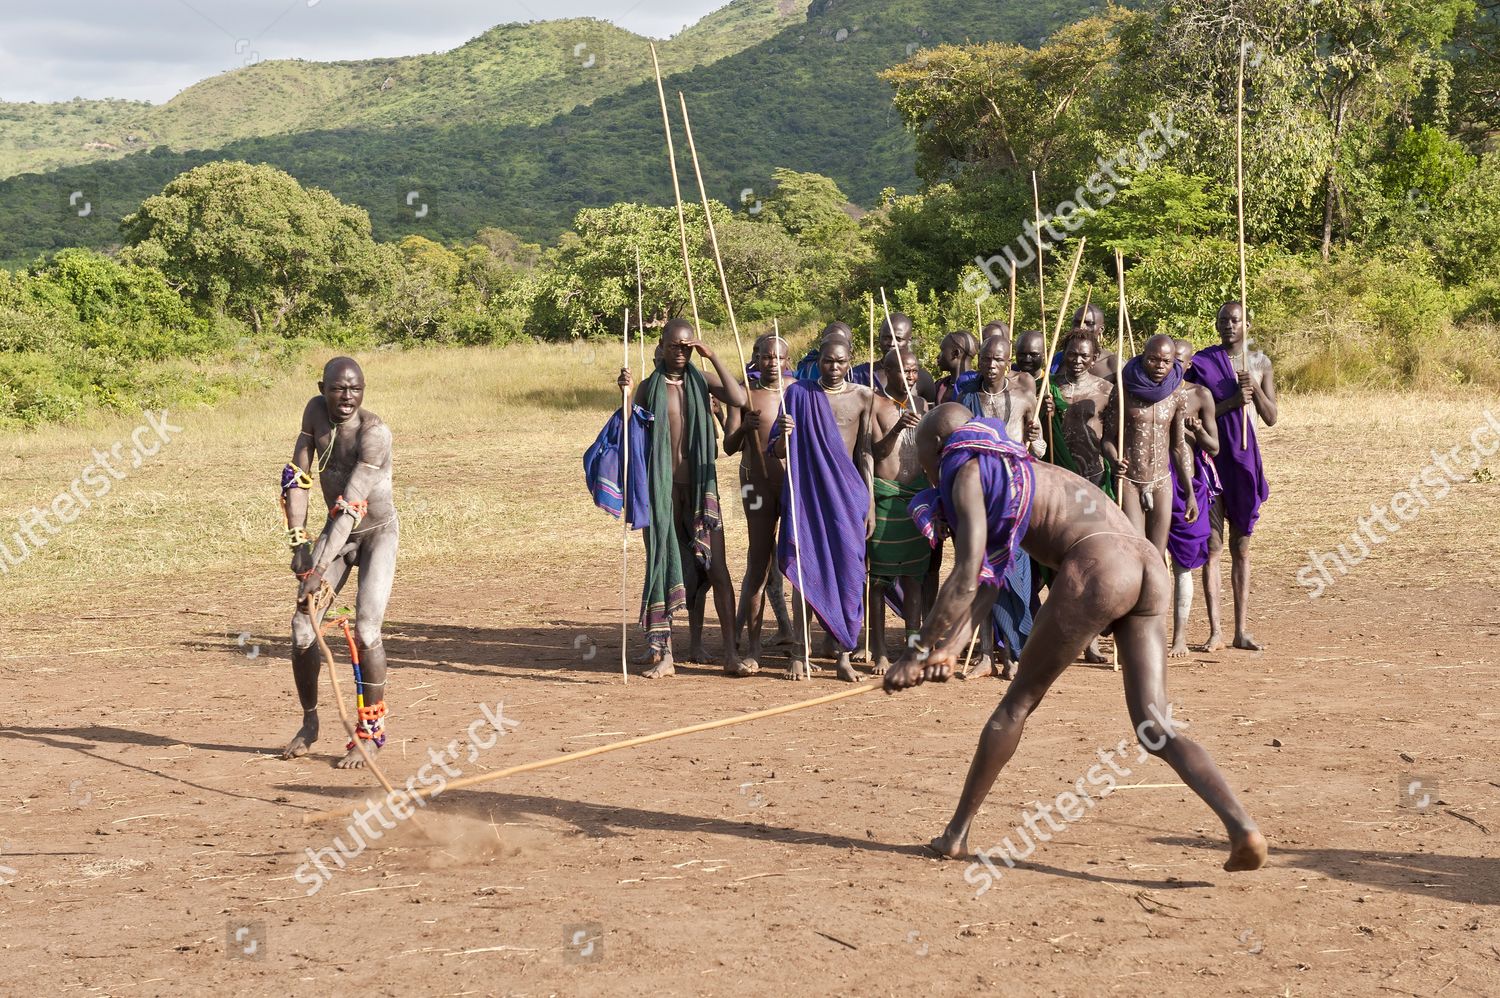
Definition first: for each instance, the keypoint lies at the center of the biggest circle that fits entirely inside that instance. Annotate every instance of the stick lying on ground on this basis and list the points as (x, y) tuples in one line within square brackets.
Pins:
[(724, 722)]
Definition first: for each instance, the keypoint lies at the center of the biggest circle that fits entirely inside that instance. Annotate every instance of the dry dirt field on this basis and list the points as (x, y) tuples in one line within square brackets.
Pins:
[(150, 839)]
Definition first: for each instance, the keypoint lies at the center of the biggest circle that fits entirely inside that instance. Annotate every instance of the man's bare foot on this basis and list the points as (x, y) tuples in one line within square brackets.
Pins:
[(353, 760), (303, 740), (881, 665), (1179, 647), (661, 670), (648, 657), (859, 655), (1214, 643), (746, 666), (697, 654), (950, 846), (1007, 670), (1093, 656), (1245, 641), (845, 668), (1247, 851), (799, 669), (982, 666)]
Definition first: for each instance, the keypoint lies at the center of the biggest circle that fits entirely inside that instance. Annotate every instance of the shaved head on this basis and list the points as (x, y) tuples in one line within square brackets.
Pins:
[(933, 432), (337, 366)]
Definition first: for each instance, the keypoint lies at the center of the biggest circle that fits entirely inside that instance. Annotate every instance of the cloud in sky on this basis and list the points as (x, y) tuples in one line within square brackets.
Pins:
[(152, 49)]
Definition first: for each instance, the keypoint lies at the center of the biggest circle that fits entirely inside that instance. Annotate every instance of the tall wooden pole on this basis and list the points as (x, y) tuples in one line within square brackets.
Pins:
[(687, 264), (1239, 190), (1041, 293), (713, 236), (640, 311), (1120, 394), (791, 493), (625, 509), (869, 584), (1057, 332), (886, 307), (1012, 322), (476, 779)]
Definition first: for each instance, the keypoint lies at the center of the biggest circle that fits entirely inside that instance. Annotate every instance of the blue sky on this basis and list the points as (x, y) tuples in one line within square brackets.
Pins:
[(152, 49)]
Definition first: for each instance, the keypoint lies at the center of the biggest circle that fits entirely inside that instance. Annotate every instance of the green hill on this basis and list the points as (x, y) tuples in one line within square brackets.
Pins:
[(512, 74), (806, 98)]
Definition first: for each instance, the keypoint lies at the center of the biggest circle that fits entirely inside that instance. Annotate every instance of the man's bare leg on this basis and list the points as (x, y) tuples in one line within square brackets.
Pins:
[(1143, 660), (307, 663), (376, 559), (1159, 519), (1212, 579), (776, 596), (718, 577), (1182, 609), (801, 665), (879, 659), (760, 559), (1239, 578)]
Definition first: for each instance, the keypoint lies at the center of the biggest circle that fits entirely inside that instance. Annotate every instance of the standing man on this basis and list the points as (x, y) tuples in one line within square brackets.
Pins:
[(1009, 398), (1030, 346), (762, 476), (1240, 470), (1156, 445), (1187, 543), (955, 354), (997, 503), (350, 449), (824, 436), (685, 538), (898, 552), (895, 332)]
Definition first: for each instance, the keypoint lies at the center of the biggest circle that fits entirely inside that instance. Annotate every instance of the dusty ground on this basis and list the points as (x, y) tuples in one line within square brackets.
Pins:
[(150, 838)]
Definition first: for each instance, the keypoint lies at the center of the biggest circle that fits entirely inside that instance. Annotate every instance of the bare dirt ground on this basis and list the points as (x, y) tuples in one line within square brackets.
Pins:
[(150, 839)]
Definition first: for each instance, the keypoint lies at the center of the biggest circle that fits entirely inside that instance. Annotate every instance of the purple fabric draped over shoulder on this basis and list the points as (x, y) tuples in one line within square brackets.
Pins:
[(1240, 469), (824, 557), (1008, 483)]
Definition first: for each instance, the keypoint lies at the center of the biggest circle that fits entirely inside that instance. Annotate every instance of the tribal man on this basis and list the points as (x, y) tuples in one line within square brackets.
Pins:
[(899, 553), (1240, 470), (1187, 543), (895, 331), (1156, 444), (996, 502), (824, 436), (684, 494), (350, 449)]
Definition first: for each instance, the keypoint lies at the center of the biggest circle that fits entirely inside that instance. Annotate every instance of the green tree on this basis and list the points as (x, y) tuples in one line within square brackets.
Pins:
[(252, 243)]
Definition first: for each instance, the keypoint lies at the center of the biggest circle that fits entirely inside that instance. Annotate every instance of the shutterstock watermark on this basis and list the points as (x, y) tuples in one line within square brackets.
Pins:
[(1103, 777), (94, 482), (396, 806), (1439, 475), (1103, 184)]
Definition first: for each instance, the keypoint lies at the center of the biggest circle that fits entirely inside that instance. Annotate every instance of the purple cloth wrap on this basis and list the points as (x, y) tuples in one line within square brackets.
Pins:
[(1238, 461)]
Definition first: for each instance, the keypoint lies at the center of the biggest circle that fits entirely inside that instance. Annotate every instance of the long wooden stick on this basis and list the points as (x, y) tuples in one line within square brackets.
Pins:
[(886, 306), (713, 240), (640, 310), (316, 609), (1120, 392), (529, 767), (791, 493), (687, 264), (869, 584), (1047, 357), (625, 511), (1041, 293), (1012, 322), (713, 236), (1239, 191)]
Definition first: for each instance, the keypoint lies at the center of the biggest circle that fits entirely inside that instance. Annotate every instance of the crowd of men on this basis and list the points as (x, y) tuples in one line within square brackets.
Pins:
[(829, 473)]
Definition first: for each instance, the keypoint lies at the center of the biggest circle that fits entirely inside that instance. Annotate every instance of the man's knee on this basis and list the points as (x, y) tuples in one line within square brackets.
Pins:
[(366, 635), (304, 635)]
